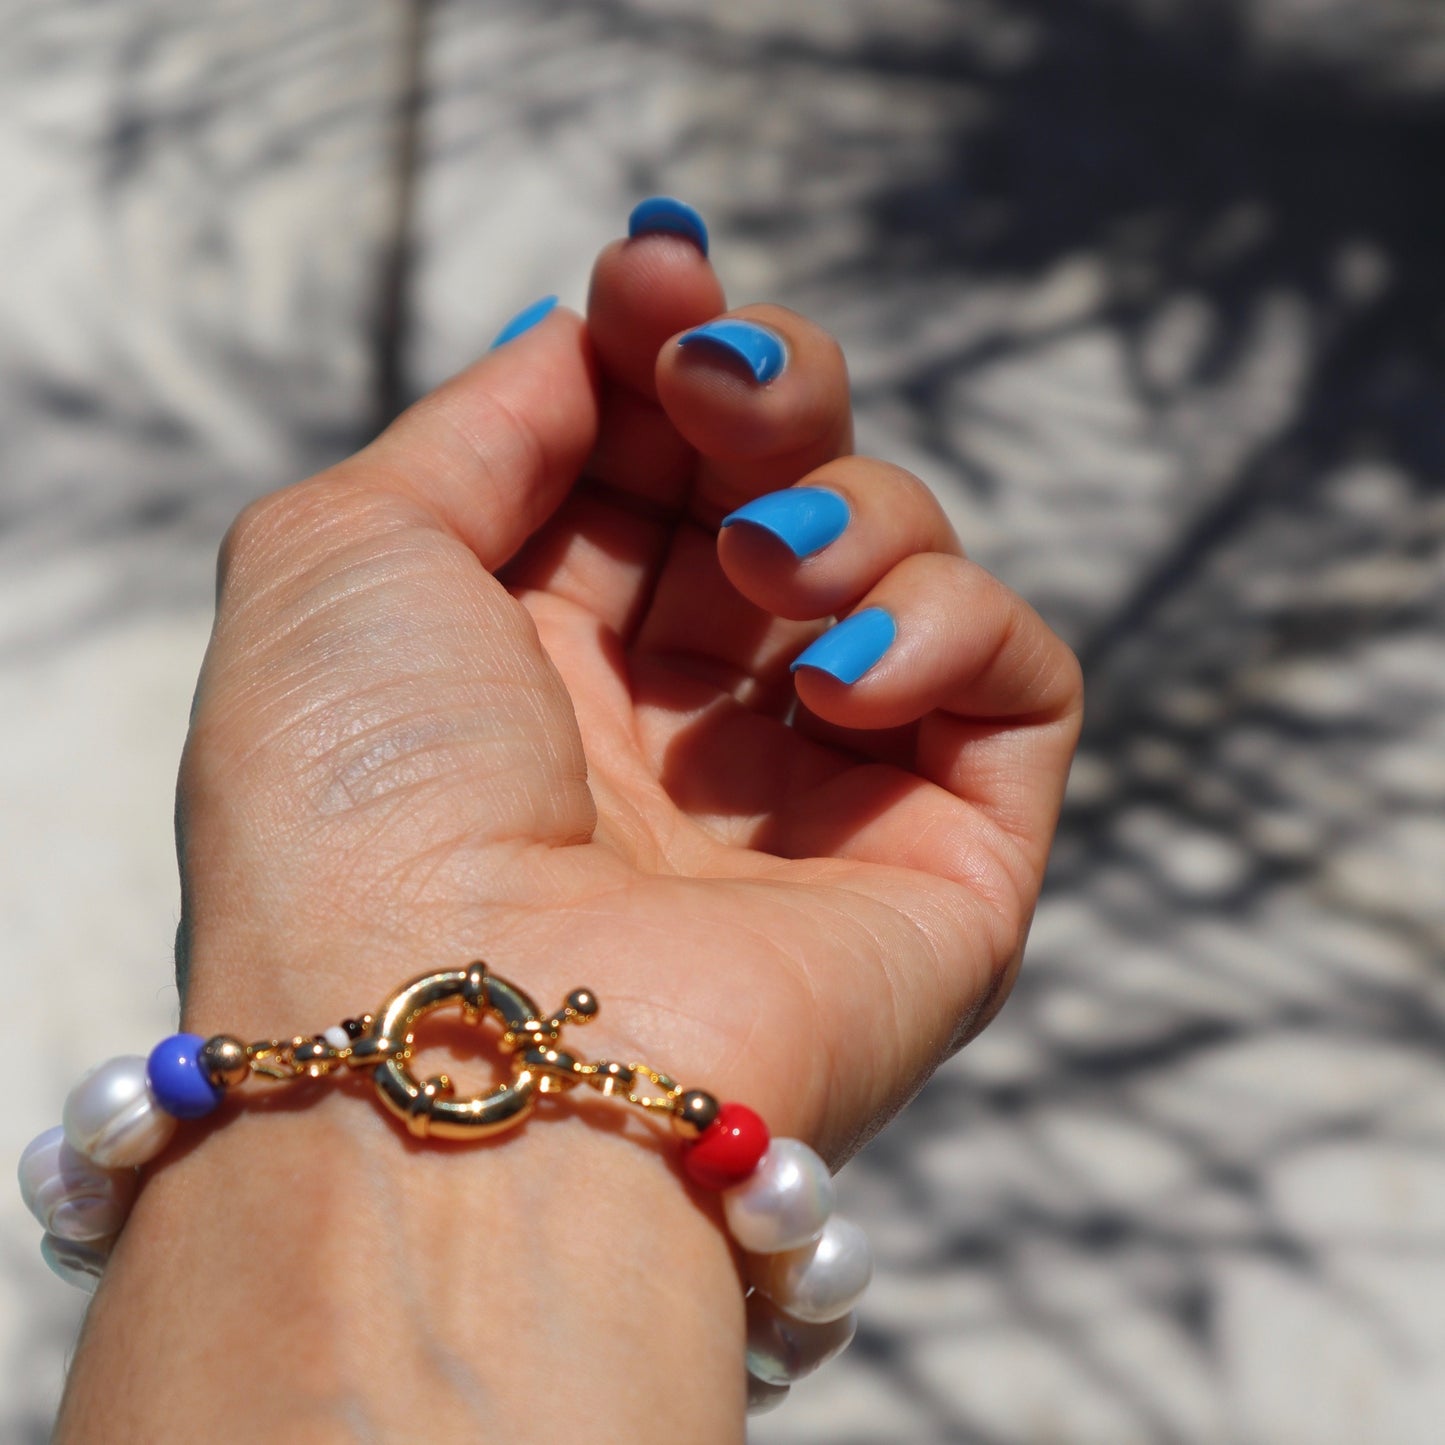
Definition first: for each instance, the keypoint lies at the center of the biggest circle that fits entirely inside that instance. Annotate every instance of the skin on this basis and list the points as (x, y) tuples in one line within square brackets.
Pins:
[(496, 687)]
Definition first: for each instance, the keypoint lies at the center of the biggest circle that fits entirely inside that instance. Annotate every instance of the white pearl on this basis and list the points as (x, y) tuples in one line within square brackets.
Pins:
[(75, 1262), (763, 1397), (111, 1118), (337, 1037), (70, 1196), (821, 1281), (782, 1349), (783, 1203)]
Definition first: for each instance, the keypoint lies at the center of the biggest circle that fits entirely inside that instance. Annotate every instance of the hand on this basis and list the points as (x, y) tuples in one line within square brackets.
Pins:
[(459, 703), (497, 687)]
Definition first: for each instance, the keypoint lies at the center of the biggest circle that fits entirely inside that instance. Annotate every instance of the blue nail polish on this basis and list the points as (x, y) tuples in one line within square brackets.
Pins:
[(806, 518), (524, 321), (850, 647), (759, 349), (663, 213)]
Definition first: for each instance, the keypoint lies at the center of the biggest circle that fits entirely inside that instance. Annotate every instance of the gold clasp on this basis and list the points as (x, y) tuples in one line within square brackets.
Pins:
[(431, 1107), (385, 1041)]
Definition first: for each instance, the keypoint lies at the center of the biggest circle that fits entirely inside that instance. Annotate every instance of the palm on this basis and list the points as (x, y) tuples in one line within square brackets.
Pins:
[(721, 941)]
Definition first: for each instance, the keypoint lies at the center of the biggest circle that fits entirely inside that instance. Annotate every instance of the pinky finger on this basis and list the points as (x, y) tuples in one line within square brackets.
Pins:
[(938, 633), (995, 694)]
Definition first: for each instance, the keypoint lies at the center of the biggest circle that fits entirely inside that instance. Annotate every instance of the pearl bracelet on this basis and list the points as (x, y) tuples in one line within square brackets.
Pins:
[(805, 1266)]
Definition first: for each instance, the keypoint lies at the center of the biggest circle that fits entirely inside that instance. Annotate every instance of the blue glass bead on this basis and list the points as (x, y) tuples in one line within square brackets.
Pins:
[(177, 1081)]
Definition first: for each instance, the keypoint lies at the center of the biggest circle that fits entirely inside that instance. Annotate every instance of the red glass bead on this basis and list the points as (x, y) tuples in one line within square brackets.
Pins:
[(728, 1150)]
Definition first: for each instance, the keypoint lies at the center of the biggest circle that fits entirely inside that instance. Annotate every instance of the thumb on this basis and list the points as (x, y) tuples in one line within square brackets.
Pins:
[(373, 706), (492, 452)]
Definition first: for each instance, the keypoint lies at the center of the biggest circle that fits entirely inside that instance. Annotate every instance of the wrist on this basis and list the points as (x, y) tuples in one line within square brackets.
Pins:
[(310, 1234), (431, 1291)]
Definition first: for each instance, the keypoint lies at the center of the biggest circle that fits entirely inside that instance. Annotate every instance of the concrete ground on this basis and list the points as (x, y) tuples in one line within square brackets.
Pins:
[(1151, 293)]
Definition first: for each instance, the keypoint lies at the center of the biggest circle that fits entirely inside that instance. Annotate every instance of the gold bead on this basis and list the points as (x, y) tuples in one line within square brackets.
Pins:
[(583, 1003), (694, 1111), (223, 1061)]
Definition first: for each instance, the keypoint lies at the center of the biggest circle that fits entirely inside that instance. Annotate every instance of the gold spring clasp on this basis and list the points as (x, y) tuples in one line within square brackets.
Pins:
[(385, 1041), (431, 1106)]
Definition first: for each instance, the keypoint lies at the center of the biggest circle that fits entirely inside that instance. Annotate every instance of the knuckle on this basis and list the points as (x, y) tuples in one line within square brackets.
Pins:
[(292, 526), (894, 492), (279, 523), (253, 531), (916, 494), (1069, 684)]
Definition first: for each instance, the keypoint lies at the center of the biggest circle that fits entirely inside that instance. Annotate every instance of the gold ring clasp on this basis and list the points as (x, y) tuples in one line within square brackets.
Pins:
[(385, 1041), (430, 1108)]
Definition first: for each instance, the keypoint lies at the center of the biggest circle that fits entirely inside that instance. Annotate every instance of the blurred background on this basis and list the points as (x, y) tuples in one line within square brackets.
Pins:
[(1151, 291)]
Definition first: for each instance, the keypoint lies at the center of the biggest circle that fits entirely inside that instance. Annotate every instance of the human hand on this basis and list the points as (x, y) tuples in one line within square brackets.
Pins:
[(498, 687)]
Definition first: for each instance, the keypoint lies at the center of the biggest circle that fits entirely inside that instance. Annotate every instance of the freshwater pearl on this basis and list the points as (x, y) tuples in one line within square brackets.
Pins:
[(763, 1397), (79, 1264), (71, 1197), (111, 1118), (821, 1281), (337, 1037), (785, 1203), (782, 1349)]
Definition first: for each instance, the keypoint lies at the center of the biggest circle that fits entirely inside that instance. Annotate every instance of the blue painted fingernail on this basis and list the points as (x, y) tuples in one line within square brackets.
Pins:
[(850, 647), (806, 518), (759, 349), (663, 213), (524, 321)]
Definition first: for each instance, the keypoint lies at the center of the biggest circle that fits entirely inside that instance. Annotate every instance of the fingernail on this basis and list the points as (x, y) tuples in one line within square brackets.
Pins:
[(850, 647), (759, 349), (664, 214), (807, 519), (524, 321)]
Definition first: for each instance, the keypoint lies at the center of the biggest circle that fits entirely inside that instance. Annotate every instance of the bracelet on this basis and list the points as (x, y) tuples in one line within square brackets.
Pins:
[(805, 1267)]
